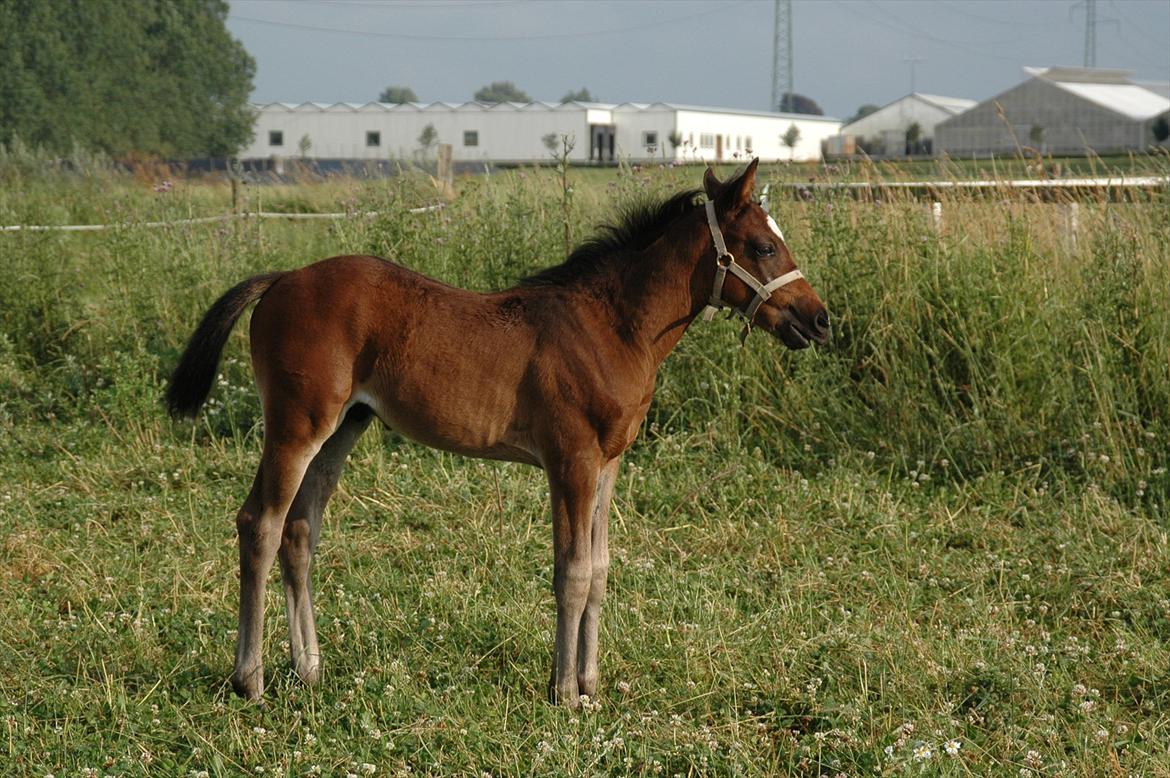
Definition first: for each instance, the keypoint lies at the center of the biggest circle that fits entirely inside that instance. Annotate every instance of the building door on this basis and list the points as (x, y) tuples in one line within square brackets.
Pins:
[(601, 142), (718, 148)]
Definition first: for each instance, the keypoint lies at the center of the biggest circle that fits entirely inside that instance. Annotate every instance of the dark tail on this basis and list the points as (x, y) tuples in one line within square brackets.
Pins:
[(191, 382)]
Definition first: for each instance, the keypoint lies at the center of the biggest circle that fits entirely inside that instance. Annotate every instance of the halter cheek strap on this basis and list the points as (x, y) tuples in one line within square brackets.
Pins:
[(725, 262)]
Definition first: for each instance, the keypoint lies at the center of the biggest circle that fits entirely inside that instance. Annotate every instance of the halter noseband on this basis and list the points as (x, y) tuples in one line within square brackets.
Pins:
[(724, 261)]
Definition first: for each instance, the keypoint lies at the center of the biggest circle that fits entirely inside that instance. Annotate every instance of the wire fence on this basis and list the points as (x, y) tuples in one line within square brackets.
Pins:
[(205, 220)]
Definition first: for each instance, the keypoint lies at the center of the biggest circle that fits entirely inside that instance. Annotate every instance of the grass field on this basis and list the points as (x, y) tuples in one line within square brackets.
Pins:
[(938, 546)]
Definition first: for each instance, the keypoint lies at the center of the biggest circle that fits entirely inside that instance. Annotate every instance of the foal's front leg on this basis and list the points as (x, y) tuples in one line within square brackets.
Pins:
[(572, 488)]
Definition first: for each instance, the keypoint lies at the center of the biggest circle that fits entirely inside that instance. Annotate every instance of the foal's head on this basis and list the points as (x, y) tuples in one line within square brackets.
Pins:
[(793, 312)]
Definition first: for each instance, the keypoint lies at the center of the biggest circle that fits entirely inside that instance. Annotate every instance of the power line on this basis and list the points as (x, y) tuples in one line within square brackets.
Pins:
[(919, 31), (989, 19), (545, 36), (1161, 44), (905, 29)]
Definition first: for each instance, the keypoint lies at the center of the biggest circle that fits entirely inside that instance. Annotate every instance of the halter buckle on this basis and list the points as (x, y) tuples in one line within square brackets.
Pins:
[(725, 260)]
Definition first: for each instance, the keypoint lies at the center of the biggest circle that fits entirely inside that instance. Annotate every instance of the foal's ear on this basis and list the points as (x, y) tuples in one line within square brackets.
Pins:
[(711, 184), (739, 191)]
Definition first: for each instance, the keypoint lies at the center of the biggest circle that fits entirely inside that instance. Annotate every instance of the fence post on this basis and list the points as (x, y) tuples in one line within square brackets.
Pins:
[(1071, 224), (445, 172), (936, 216)]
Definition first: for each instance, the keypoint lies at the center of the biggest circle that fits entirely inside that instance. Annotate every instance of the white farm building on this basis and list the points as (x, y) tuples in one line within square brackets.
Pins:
[(516, 132), (883, 132), (1060, 111)]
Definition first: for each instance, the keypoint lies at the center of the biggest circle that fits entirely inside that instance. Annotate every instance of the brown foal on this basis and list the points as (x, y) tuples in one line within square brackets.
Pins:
[(557, 372)]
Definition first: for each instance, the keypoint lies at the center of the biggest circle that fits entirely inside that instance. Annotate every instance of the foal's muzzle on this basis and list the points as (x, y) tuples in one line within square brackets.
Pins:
[(796, 331)]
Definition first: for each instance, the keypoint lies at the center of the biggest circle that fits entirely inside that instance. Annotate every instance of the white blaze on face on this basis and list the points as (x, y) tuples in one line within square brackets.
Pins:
[(772, 225)]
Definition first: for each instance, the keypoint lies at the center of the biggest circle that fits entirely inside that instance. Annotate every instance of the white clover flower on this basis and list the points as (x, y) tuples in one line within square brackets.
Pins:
[(922, 752), (952, 747), (365, 768)]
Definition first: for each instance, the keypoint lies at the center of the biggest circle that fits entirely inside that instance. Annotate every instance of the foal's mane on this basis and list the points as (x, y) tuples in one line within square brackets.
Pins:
[(638, 225)]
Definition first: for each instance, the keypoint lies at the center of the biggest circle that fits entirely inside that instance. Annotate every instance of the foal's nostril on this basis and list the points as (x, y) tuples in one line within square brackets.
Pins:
[(822, 321)]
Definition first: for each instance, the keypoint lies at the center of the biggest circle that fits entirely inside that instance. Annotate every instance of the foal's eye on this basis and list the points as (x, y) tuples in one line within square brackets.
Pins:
[(764, 250)]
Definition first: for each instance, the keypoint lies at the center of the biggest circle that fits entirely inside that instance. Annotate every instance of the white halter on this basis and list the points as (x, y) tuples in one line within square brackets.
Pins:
[(724, 261)]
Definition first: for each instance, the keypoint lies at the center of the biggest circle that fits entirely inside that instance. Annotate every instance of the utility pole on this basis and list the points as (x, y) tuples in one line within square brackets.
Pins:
[(1090, 33), (1091, 22), (782, 55), (913, 65)]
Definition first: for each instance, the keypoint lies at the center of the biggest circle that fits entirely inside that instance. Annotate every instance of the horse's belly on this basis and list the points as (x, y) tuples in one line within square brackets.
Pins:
[(463, 425)]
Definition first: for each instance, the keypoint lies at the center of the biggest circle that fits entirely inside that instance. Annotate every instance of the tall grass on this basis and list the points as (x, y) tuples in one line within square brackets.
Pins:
[(947, 525)]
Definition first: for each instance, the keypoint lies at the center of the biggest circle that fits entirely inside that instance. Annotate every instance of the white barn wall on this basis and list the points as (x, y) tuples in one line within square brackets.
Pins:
[(899, 115), (632, 123), (764, 131), (512, 132), (340, 132)]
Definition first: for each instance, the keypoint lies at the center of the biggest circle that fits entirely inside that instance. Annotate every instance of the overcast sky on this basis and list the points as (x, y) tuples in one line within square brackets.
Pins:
[(705, 52)]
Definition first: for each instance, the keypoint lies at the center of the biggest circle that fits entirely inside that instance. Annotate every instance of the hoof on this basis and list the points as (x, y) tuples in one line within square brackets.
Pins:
[(587, 686), (565, 699), (250, 686), (310, 675)]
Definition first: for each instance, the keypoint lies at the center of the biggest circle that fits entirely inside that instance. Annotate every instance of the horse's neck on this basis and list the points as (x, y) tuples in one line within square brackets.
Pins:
[(661, 297)]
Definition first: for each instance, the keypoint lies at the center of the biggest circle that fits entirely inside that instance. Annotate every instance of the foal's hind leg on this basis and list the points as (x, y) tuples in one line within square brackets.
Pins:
[(289, 447), (302, 529), (599, 553)]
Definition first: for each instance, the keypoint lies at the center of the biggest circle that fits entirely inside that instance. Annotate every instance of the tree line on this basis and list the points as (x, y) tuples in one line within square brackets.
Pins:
[(156, 77), (495, 92)]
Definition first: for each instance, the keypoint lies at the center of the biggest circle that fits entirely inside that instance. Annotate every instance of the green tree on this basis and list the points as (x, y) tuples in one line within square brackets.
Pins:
[(155, 76), (502, 92), (428, 137), (794, 103), (862, 112), (790, 138), (582, 95), (913, 136), (398, 94), (1161, 128)]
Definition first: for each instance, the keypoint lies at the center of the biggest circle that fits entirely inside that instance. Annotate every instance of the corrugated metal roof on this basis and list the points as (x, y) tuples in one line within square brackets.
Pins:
[(1107, 88), (534, 105), (1157, 87), (1130, 100), (747, 112), (952, 105)]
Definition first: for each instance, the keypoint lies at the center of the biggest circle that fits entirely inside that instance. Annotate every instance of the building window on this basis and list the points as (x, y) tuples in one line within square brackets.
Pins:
[(373, 138), (707, 140), (275, 138), (471, 137), (650, 138), (747, 144)]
